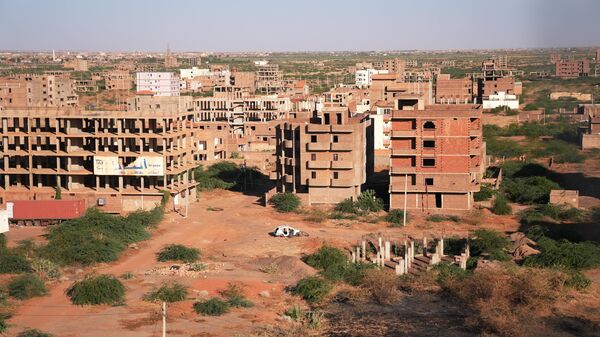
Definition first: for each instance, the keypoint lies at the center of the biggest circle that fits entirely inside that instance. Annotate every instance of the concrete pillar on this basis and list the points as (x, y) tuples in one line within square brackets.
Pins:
[(388, 252), (442, 246), (364, 250), (412, 251), (424, 246), (400, 268), (353, 256), (358, 257)]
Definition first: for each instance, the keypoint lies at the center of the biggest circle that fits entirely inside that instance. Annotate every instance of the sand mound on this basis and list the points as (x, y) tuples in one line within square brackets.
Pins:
[(289, 266)]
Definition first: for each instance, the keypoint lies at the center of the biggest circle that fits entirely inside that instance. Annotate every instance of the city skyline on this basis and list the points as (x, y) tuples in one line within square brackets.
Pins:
[(268, 26)]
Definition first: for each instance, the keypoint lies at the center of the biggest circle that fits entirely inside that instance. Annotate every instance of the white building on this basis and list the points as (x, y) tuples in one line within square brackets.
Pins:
[(192, 72), (364, 78), (159, 83), (382, 126), (261, 63), (501, 99)]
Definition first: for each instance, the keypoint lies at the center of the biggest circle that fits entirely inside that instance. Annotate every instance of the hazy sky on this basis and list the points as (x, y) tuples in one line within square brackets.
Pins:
[(282, 25)]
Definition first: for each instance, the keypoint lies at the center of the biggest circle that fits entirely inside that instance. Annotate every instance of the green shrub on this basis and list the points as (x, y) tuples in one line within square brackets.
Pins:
[(11, 263), (236, 296), (95, 290), (447, 271), (530, 107), (577, 280), (313, 288), (181, 253), (485, 193), (326, 257), (3, 324), (33, 333), (226, 175), (555, 212), (211, 307), (396, 217), (97, 236), (285, 202), (354, 273), (530, 190), (442, 217), (491, 243), (368, 201), (26, 286), (565, 254), (503, 148), (347, 206), (501, 206), (170, 293)]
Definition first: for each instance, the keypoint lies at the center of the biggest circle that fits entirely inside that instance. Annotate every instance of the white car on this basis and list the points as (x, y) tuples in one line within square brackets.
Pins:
[(287, 232)]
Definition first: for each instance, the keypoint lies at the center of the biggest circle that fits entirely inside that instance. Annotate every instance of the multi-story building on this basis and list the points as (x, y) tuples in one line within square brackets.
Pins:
[(572, 68), (393, 66), (363, 78), (171, 60), (158, 83), (38, 91), (437, 156), (117, 160), (269, 79), (555, 57), (325, 159), (78, 64), (118, 80), (453, 91), (192, 72)]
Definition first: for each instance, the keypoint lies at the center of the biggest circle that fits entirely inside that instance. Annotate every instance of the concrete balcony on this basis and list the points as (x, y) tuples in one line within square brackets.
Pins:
[(273, 175), (319, 182), (341, 129), (288, 179), (290, 161), (341, 146), (317, 146), (475, 151), (403, 133), (317, 128), (475, 133), (287, 144), (402, 170), (404, 152), (342, 165), (317, 164)]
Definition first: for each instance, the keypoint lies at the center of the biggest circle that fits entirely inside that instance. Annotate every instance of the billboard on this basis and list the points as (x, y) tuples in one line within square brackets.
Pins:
[(142, 166)]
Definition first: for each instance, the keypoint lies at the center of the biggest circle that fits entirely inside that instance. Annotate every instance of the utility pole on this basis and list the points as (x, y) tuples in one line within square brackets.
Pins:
[(405, 201), (187, 192), (164, 319)]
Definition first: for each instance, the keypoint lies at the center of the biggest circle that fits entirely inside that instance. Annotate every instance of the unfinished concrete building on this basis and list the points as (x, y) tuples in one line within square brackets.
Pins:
[(269, 79), (437, 156), (572, 68), (453, 90), (57, 90), (118, 80), (117, 160), (395, 66), (324, 159)]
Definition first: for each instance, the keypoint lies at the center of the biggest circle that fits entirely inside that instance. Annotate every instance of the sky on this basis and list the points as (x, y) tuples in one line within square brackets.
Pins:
[(300, 25)]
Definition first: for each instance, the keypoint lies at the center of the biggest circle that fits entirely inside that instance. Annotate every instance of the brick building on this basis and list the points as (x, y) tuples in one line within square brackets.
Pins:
[(395, 66), (325, 158), (38, 91), (572, 68), (453, 91), (118, 80), (438, 152)]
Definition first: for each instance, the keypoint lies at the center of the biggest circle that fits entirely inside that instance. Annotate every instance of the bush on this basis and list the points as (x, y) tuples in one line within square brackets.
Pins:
[(500, 206), (170, 293), (491, 243), (565, 254), (313, 289), (97, 236), (236, 296), (26, 286), (45, 268), (485, 193), (442, 217), (347, 206), (326, 257), (555, 212), (33, 333), (226, 175), (211, 307), (447, 272), (95, 290), (181, 253), (11, 263), (368, 201), (530, 190), (396, 217), (285, 202), (503, 148), (383, 285)]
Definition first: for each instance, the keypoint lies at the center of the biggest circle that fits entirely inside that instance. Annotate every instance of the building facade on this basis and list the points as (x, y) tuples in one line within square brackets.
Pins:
[(364, 78), (437, 156), (38, 91), (453, 90), (158, 83), (572, 68), (326, 158)]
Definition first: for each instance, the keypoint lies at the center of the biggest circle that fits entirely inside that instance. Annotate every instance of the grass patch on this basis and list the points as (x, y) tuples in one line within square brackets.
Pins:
[(174, 252), (396, 217), (442, 217), (174, 292), (212, 307), (26, 286), (33, 333), (96, 290)]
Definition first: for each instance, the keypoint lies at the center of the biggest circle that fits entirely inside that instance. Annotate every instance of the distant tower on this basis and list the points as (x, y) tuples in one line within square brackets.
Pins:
[(170, 60), (53, 55)]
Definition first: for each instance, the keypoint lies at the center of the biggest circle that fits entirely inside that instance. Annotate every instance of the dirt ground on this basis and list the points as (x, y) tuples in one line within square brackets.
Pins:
[(235, 244)]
